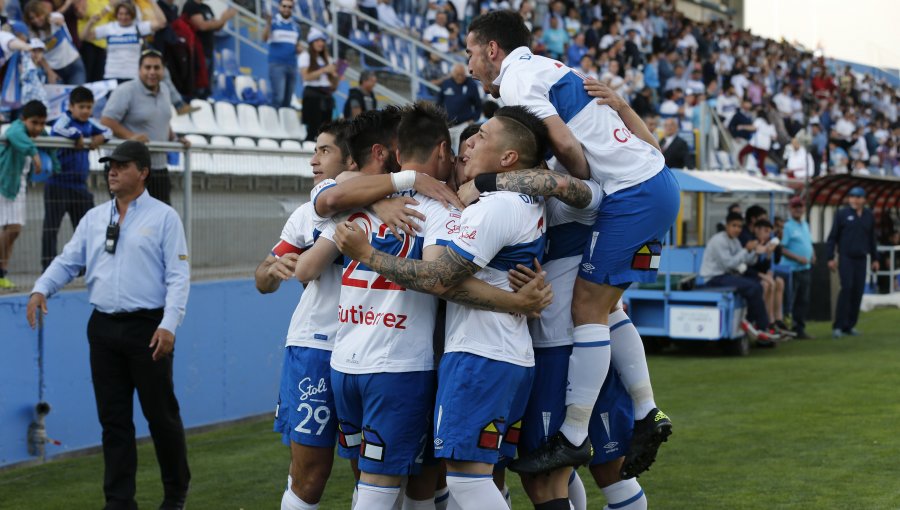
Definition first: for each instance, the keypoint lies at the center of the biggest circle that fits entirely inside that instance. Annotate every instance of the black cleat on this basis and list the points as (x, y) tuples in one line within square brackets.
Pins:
[(557, 452), (649, 434)]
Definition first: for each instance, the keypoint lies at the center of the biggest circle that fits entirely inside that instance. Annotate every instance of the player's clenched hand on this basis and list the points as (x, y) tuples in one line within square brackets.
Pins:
[(164, 342), (468, 193), (604, 94), (431, 187), (352, 240), (394, 213), (283, 267)]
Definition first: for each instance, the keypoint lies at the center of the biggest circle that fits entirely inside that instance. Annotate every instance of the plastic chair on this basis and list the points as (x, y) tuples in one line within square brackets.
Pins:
[(226, 118), (271, 164), (299, 164), (290, 122), (268, 120), (200, 161), (182, 124), (203, 119), (248, 121)]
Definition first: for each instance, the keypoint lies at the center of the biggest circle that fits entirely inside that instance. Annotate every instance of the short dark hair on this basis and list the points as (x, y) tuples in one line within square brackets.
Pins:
[(151, 53), (763, 223), (81, 95), (339, 129), (489, 108), (422, 128), (506, 28), (527, 133), (467, 133), (754, 211), (734, 216), (370, 128), (34, 108), (365, 75)]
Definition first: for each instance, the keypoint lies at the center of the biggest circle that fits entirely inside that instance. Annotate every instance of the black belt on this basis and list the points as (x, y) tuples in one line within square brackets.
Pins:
[(143, 312)]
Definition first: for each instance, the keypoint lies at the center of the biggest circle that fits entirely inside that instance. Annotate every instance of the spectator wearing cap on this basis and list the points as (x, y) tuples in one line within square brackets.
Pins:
[(797, 250), (140, 110), (320, 78), (361, 99), (853, 235), (134, 254), (283, 35)]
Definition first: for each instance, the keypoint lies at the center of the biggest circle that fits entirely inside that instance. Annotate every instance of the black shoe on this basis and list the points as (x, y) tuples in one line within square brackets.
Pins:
[(557, 452), (803, 335), (649, 433)]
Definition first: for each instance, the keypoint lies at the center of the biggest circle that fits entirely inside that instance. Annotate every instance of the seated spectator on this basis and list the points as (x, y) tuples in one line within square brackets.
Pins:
[(587, 67), (769, 254), (17, 157), (361, 99), (205, 25), (611, 37), (577, 50), (433, 72), (675, 150), (572, 22), (437, 34), (123, 39), (670, 107), (459, 97), (388, 16), (677, 81), (798, 162), (838, 161), (733, 208), (556, 39), (66, 192), (724, 259), (50, 27)]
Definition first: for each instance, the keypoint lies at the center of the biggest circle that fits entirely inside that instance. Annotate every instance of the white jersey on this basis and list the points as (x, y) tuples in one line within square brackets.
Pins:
[(568, 229), (384, 327), (499, 231), (123, 48), (617, 158), (314, 322)]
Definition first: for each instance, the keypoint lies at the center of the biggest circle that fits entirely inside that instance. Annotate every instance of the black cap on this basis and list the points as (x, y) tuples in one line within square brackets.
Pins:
[(130, 151)]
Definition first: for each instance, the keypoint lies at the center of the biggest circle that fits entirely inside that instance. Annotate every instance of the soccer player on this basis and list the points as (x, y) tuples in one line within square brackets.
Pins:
[(610, 144), (384, 343), (305, 413), (486, 370)]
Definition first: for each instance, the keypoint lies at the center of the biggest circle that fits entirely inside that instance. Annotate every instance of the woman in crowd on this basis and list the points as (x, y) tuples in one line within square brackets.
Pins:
[(320, 76), (61, 54), (123, 37)]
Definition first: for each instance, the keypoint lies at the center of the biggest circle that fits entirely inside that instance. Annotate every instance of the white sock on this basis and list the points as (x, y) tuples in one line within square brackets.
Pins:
[(625, 495), (290, 482), (577, 494), (441, 497), (469, 492), (375, 497), (506, 495), (355, 497), (412, 504), (400, 504), (588, 366), (290, 501), (629, 360)]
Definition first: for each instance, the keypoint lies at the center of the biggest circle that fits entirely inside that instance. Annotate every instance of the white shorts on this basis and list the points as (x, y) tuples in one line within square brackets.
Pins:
[(12, 212)]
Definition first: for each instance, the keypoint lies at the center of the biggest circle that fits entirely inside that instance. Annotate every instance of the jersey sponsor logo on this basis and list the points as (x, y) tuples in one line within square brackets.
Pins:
[(355, 315), (122, 39), (452, 226), (468, 233), (646, 258), (308, 390), (622, 135)]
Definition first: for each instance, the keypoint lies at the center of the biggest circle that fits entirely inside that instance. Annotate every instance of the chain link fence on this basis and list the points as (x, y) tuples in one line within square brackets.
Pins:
[(233, 201)]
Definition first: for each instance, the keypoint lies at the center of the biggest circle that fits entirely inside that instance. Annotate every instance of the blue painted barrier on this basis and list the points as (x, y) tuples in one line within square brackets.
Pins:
[(228, 355)]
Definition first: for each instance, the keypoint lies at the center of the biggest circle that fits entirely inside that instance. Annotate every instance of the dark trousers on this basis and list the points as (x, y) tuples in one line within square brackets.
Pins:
[(94, 58), (57, 203), (318, 104), (759, 154), (800, 298), (121, 363), (159, 185), (751, 290), (853, 281)]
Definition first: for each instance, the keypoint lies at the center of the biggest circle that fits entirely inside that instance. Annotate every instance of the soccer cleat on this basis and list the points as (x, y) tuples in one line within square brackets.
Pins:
[(557, 452), (649, 434), (853, 332), (836, 333), (803, 335), (6, 284), (748, 328), (782, 330)]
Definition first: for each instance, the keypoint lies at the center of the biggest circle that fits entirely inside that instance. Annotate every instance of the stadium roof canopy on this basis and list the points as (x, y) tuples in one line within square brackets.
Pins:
[(717, 181)]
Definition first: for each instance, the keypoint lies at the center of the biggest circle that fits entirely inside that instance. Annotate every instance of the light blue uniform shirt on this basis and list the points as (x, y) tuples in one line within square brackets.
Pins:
[(149, 270), (798, 240)]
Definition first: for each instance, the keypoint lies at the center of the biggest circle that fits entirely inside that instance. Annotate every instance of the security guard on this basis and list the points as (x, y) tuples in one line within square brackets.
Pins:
[(137, 274), (853, 232)]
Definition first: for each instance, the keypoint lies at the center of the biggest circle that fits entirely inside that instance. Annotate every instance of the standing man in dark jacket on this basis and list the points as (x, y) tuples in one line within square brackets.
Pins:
[(362, 98), (459, 97), (853, 233)]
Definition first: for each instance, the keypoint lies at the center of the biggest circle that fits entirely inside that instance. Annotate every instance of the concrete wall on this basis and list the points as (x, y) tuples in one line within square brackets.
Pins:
[(228, 357)]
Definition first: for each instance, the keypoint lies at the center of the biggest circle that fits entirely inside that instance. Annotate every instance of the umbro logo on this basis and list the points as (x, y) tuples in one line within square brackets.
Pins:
[(587, 266)]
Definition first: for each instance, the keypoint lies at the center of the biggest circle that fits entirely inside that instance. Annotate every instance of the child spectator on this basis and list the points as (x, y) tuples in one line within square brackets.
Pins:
[(50, 28), (16, 159), (66, 191), (772, 285)]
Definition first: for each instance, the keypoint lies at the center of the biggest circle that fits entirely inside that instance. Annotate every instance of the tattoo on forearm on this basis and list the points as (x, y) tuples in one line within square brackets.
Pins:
[(546, 183), (464, 297), (446, 272)]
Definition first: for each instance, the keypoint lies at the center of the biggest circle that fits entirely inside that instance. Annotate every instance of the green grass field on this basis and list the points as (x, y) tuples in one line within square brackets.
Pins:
[(808, 425)]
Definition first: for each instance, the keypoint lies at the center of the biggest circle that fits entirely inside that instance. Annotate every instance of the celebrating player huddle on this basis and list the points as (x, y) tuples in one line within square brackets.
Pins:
[(539, 361)]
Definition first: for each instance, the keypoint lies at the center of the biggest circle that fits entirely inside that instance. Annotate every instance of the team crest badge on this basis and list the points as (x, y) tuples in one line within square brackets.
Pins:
[(490, 437), (647, 257), (372, 446)]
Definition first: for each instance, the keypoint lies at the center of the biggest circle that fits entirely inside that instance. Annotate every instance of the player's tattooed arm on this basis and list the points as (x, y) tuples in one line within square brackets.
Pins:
[(530, 298), (536, 182), (435, 277)]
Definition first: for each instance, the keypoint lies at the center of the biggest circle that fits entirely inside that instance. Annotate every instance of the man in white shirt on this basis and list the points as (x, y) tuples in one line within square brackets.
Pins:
[(437, 34)]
